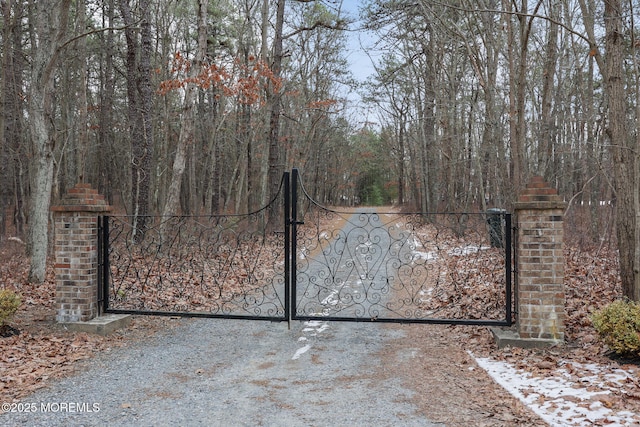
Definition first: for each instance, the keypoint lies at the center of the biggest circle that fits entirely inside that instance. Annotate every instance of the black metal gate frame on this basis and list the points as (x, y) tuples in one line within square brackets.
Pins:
[(290, 185)]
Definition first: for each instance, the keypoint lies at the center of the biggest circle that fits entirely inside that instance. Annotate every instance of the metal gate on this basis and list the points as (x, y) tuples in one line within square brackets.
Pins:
[(313, 263)]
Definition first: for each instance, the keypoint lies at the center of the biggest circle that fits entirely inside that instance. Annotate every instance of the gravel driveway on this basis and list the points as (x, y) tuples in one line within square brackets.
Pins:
[(213, 372)]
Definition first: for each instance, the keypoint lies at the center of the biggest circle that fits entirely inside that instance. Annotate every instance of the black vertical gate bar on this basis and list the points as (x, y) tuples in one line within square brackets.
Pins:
[(508, 266), (294, 241), (100, 271), (516, 291), (105, 267), (287, 248)]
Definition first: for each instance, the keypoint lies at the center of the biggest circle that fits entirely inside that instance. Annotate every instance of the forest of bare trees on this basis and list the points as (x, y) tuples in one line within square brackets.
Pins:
[(198, 106)]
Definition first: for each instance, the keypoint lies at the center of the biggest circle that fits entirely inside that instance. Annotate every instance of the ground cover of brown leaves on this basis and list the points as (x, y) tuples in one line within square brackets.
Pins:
[(44, 350)]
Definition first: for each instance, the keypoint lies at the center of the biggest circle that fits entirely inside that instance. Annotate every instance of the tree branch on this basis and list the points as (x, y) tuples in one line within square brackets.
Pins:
[(518, 14), (339, 25), (88, 33)]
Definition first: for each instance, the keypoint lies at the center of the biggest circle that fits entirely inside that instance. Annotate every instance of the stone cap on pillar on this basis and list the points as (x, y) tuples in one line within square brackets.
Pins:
[(539, 195), (82, 198)]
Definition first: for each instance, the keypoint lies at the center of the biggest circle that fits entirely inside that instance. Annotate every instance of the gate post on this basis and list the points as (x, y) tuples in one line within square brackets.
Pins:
[(540, 297), (76, 253)]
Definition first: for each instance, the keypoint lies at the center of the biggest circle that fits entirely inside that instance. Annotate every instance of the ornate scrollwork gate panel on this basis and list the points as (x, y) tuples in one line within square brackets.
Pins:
[(370, 265)]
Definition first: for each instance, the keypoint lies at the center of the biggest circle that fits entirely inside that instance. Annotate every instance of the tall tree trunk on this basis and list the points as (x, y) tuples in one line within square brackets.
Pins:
[(545, 145), (82, 144), (146, 104), (49, 15), (11, 118), (105, 118), (275, 168), (428, 149), (490, 143), (514, 165), (520, 86), (187, 121), (587, 9), (212, 196), (623, 151), (6, 113), (140, 98), (264, 30), (401, 159), (518, 63)]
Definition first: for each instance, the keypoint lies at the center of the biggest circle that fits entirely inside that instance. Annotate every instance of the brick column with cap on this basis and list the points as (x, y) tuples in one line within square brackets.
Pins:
[(76, 253), (539, 215)]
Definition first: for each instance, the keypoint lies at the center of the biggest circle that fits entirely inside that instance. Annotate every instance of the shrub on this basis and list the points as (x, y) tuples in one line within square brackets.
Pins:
[(618, 325), (9, 303)]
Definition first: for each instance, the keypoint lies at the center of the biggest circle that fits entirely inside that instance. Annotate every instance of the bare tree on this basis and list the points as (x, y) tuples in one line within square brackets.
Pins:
[(187, 120), (105, 133), (545, 144), (624, 151), (50, 26), (13, 149), (274, 148), (140, 98)]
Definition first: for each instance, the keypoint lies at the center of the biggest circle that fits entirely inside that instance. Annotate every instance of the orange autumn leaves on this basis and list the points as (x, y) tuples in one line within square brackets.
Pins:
[(249, 82)]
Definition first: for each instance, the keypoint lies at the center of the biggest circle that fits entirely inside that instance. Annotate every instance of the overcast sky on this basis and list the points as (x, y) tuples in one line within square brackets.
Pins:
[(360, 62)]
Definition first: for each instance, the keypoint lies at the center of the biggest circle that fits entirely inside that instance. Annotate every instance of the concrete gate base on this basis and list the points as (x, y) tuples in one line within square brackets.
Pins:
[(101, 325), (507, 337)]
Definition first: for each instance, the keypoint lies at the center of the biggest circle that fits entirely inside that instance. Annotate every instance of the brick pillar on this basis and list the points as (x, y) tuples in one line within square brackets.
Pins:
[(540, 262), (76, 253)]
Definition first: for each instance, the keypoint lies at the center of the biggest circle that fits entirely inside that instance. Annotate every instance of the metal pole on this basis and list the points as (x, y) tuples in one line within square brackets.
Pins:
[(287, 248), (294, 240), (100, 271), (508, 266), (106, 268)]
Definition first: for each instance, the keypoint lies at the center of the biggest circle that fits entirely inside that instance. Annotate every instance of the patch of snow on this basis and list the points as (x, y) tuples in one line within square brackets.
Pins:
[(428, 292), (331, 298), (322, 328), (560, 401), (312, 328), (301, 351), (468, 250), (427, 256), (316, 326)]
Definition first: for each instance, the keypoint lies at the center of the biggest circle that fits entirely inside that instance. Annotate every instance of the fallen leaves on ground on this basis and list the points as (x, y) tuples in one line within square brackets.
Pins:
[(44, 350)]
